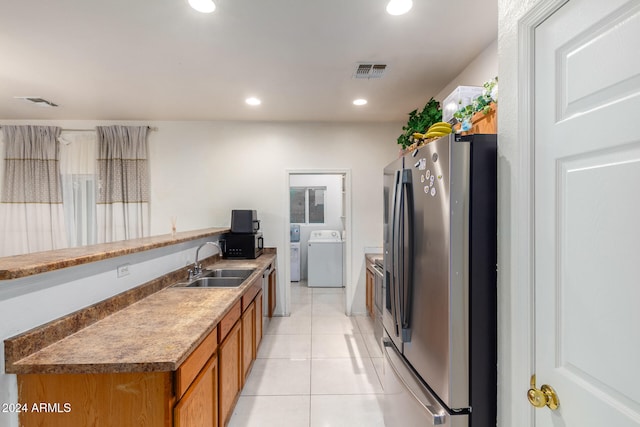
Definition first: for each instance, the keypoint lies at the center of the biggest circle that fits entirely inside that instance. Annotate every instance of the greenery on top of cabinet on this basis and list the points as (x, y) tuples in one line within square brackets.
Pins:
[(419, 122)]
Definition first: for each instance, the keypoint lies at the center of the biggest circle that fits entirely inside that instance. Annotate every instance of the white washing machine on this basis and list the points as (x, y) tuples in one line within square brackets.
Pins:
[(295, 262), (325, 259)]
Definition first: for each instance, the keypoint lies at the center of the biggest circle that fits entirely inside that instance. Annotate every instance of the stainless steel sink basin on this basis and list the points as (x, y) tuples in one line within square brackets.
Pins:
[(229, 272), (218, 278), (214, 282)]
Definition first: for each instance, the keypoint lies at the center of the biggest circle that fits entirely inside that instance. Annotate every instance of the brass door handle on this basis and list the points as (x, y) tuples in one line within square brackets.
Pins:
[(544, 396)]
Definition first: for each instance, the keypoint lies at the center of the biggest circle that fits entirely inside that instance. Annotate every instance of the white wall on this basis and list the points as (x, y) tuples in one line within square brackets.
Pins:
[(333, 210), (202, 170), (483, 68)]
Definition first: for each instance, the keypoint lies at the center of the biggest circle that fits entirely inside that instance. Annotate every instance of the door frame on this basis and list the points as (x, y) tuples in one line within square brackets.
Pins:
[(517, 289), (347, 232)]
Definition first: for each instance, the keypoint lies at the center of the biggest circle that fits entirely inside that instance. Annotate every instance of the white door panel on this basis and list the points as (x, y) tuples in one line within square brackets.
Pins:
[(587, 222)]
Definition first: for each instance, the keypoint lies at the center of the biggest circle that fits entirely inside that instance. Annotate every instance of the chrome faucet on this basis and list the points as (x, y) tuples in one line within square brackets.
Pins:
[(197, 267)]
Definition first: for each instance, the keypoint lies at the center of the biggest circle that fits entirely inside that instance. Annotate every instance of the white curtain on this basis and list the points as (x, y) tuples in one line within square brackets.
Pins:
[(123, 183), (31, 213), (78, 173)]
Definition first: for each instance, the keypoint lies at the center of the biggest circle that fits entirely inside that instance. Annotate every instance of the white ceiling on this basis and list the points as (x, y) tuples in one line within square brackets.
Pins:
[(161, 60)]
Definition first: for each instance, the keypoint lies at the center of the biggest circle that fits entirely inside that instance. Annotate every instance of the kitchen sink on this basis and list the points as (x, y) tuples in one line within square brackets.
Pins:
[(213, 282), (228, 272), (218, 278)]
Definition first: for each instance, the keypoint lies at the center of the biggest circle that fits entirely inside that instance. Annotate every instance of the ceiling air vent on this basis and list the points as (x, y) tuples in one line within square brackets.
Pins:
[(40, 102), (369, 71)]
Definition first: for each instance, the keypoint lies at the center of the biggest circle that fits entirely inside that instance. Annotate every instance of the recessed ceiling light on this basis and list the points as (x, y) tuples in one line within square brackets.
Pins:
[(399, 7), (359, 101), (204, 6), (253, 101)]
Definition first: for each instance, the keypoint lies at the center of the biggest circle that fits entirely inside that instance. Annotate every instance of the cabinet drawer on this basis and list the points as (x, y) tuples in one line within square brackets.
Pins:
[(190, 368), (228, 321), (251, 293)]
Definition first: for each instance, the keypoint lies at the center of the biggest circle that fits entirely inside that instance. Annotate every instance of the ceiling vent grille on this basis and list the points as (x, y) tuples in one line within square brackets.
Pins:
[(369, 71), (40, 102)]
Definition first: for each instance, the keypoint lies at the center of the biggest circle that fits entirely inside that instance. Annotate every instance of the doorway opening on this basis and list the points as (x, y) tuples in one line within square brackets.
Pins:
[(317, 226)]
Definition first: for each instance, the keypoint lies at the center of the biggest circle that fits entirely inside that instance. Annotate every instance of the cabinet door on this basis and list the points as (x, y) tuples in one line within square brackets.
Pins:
[(141, 399), (272, 292), (199, 405), (248, 339), (230, 374), (369, 293), (258, 321)]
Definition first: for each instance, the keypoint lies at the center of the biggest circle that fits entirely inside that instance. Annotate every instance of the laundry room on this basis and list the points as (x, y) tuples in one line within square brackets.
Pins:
[(317, 204)]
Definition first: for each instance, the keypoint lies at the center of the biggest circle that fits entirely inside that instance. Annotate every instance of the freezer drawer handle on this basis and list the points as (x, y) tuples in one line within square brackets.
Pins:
[(436, 418)]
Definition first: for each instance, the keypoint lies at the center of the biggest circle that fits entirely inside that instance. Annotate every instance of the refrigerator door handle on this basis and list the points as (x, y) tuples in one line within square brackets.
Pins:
[(393, 282), (396, 363), (406, 263), (399, 258)]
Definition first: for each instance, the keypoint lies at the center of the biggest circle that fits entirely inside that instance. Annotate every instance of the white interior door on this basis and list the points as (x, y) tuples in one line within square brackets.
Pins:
[(587, 213)]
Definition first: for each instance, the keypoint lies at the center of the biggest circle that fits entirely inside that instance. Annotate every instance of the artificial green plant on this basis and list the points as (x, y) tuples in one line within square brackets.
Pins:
[(419, 122)]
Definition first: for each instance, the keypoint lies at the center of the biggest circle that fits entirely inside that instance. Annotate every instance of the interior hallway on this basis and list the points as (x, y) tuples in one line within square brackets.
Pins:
[(316, 368)]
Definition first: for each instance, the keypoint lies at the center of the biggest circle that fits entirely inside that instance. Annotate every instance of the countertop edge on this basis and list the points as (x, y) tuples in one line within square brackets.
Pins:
[(18, 266), (94, 368)]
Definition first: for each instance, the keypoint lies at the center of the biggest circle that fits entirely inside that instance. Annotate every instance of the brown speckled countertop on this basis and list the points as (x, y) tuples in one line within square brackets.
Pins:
[(17, 266), (156, 333)]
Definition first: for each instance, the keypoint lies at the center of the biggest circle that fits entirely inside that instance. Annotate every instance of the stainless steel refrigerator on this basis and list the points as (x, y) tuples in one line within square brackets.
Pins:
[(439, 311)]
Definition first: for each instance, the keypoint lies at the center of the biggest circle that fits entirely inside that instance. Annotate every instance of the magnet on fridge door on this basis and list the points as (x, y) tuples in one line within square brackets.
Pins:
[(433, 191), (428, 174), (426, 189)]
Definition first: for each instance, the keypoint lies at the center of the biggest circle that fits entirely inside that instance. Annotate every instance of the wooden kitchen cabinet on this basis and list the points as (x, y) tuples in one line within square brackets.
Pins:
[(272, 292), (199, 406), (196, 387), (186, 398), (76, 400), (248, 339), (230, 376), (370, 278)]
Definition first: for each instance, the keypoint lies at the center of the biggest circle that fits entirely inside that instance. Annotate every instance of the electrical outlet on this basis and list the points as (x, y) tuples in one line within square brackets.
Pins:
[(123, 270)]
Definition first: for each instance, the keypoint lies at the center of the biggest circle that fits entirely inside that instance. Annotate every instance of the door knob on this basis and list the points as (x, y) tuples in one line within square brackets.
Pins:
[(544, 396)]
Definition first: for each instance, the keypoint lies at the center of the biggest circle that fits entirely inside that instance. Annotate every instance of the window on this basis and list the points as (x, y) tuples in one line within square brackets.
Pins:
[(78, 173), (307, 205)]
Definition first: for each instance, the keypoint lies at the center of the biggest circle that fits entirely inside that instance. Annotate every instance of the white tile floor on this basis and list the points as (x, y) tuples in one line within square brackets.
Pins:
[(316, 368)]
